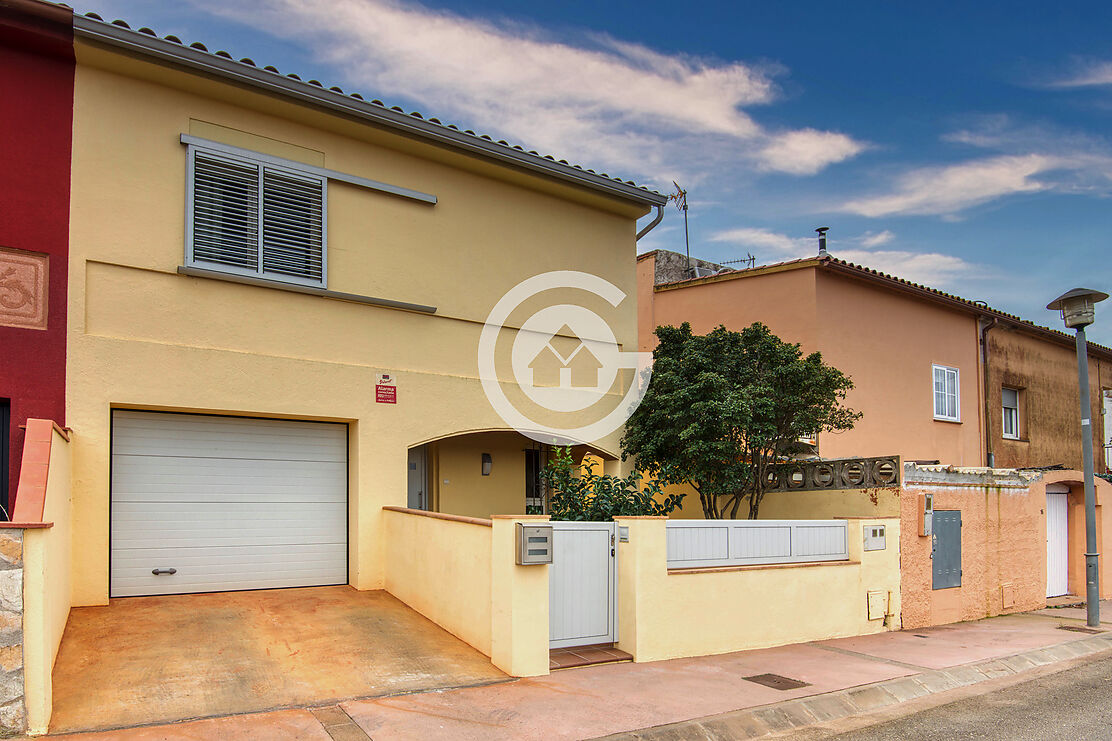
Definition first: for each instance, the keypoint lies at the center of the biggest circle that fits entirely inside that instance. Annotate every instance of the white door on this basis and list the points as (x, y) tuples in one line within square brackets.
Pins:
[(1057, 542), (583, 584), (1108, 429), (418, 478), (205, 503)]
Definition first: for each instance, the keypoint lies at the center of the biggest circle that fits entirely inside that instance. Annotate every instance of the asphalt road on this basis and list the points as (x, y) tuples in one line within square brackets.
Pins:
[(1068, 706)]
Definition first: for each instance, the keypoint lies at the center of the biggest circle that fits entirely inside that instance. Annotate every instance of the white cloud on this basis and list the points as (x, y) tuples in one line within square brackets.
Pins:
[(952, 188), (611, 105), (1090, 73), (765, 239), (930, 268), (807, 151), (869, 239)]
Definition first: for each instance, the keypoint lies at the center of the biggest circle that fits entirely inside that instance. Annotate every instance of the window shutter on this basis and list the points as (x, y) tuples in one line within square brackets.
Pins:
[(293, 225), (225, 212)]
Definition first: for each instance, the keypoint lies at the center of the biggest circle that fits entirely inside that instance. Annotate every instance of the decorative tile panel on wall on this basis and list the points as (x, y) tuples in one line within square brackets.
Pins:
[(24, 277)]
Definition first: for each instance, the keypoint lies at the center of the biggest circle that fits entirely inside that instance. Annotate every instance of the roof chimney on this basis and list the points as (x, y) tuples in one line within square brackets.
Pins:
[(822, 230)]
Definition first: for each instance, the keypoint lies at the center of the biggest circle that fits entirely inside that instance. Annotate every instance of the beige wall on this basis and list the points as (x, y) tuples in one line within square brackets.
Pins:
[(441, 568), (884, 340), (460, 488), (47, 587), (665, 614), (142, 336)]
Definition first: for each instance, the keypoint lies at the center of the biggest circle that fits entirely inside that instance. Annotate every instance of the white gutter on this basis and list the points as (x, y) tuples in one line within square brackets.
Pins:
[(241, 73)]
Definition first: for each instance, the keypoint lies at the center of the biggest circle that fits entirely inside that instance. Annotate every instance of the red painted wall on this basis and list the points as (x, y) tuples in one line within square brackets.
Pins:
[(36, 90)]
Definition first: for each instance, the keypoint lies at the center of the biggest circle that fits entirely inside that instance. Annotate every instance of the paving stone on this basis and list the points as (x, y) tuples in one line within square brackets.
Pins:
[(905, 689), (994, 669), (11, 686), (13, 717), (331, 716), (1059, 653), (734, 726), (871, 698), (1075, 648), (11, 547), (936, 682), (1019, 662), (829, 707), (11, 658), (11, 590), (775, 718), (964, 675), (1040, 657), (1094, 644)]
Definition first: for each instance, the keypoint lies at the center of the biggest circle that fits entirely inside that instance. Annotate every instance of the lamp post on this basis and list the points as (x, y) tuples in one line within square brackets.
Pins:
[(1078, 311)]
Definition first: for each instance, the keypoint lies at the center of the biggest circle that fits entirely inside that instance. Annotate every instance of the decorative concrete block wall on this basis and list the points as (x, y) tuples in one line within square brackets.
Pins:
[(13, 710)]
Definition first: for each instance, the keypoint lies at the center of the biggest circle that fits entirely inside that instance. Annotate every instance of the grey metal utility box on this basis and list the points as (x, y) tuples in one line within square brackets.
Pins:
[(874, 537), (534, 544)]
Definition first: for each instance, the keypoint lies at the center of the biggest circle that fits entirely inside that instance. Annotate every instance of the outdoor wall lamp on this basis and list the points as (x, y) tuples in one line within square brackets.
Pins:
[(1078, 309), (486, 464)]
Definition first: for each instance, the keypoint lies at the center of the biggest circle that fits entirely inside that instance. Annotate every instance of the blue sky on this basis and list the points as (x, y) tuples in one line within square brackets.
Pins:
[(967, 146)]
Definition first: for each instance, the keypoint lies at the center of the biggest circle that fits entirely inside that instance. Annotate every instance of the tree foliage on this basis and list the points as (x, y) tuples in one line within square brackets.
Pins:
[(589, 497), (724, 410)]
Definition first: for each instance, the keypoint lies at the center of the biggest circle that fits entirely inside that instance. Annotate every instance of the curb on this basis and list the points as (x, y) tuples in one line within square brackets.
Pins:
[(808, 711)]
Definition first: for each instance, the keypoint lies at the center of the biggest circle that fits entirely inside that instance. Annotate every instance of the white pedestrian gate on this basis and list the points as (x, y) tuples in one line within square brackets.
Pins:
[(583, 584), (1057, 541)]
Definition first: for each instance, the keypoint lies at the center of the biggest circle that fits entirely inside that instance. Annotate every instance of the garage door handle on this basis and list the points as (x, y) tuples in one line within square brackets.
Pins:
[(156, 572)]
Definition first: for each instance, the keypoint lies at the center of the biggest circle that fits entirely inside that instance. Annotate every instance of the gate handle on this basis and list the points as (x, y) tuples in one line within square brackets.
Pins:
[(156, 572)]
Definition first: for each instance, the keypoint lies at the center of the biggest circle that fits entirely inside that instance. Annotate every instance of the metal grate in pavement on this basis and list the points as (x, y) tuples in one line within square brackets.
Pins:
[(777, 682)]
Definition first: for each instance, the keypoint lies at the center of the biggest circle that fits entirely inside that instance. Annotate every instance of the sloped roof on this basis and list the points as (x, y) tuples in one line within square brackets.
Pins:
[(893, 282), (245, 71)]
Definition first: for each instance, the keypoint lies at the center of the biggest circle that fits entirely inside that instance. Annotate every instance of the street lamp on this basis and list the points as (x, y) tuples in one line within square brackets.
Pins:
[(1078, 311)]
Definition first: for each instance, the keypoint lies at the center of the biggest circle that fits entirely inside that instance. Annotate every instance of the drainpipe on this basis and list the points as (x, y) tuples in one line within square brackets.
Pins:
[(990, 457), (652, 224)]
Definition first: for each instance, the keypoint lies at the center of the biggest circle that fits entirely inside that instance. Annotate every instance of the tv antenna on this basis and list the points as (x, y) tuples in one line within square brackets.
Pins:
[(680, 198)]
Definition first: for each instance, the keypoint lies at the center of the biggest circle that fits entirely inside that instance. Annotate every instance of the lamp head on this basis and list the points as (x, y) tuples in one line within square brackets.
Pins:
[(1078, 306)]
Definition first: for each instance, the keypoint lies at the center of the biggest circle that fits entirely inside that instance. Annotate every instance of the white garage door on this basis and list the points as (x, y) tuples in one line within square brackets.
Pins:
[(221, 503)]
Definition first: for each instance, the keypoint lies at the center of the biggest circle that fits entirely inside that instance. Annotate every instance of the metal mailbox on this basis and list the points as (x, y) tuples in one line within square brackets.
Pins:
[(534, 544)]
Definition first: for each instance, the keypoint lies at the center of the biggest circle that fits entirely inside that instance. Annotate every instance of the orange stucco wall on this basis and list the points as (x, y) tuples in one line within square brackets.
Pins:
[(1003, 544), (884, 340), (1045, 374)]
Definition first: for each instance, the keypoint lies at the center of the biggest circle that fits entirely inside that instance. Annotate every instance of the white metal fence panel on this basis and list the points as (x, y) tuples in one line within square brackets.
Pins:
[(702, 543), (582, 584)]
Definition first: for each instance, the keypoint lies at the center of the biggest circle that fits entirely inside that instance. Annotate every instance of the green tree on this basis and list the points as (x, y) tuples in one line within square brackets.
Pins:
[(589, 497), (723, 410)]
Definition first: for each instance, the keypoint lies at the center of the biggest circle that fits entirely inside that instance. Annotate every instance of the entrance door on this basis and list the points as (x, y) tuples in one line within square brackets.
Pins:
[(1108, 429), (583, 584), (946, 551), (418, 478), (1057, 542)]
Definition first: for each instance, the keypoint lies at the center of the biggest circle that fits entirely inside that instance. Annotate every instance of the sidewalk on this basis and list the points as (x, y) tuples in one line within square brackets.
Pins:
[(842, 677)]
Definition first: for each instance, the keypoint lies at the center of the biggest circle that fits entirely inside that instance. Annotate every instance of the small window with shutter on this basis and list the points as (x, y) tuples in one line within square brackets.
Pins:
[(254, 218)]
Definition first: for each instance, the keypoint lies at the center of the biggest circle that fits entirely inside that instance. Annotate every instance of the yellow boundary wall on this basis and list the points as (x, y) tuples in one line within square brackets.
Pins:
[(667, 614)]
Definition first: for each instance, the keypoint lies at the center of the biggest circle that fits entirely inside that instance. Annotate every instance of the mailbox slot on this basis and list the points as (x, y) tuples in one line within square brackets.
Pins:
[(534, 544)]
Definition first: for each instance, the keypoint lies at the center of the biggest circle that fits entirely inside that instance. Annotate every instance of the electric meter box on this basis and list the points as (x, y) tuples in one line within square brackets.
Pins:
[(926, 515), (534, 544), (874, 536)]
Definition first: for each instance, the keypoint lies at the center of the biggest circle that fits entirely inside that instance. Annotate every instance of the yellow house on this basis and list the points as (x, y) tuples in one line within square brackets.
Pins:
[(324, 375)]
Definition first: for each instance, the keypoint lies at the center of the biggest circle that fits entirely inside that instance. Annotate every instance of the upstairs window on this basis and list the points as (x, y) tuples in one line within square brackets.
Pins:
[(250, 217), (1010, 402), (947, 400)]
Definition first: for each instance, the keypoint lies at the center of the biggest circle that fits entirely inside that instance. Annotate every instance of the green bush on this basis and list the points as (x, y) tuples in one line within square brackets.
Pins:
[(589, 497)]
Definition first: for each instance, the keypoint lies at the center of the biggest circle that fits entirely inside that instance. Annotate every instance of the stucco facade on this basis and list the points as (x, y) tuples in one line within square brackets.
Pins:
[(144, 336), (888, 334)]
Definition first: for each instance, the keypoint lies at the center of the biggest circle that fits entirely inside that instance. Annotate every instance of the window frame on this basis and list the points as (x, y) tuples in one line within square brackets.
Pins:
[(262, 162), (1017, 434), (935, 367)]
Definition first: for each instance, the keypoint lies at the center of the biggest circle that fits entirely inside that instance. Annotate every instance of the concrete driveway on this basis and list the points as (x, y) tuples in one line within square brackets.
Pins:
[(144, 660)]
